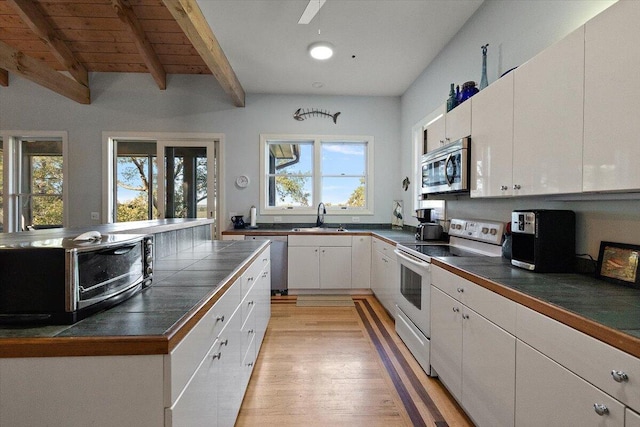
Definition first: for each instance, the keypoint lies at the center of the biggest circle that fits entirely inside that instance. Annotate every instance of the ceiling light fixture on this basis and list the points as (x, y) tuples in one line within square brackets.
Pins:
[(321, 50)]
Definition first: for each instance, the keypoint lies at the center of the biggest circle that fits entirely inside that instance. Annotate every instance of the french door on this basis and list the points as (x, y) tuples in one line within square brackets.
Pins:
[(187, 179)]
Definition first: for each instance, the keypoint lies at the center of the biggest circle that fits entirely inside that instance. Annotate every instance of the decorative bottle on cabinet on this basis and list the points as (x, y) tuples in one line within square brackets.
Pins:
[(483, 80), (452, 102)]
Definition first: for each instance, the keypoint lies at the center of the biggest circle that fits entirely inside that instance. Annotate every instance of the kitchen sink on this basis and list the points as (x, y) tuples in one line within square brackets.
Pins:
[(318, 229)]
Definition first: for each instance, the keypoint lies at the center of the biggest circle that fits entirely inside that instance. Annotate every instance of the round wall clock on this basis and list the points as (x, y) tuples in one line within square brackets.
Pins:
[(242, 181)]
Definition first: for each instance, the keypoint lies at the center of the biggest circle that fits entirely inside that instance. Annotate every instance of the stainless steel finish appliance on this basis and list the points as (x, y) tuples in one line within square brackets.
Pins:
[(446, 170), (428, 229), (543, 240), (64, 280), (467, 238), (279, 265)]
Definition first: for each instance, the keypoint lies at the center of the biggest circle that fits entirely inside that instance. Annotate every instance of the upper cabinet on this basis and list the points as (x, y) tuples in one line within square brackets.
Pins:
[(448, 127), (548, 120), (612, 99), (492, 140)]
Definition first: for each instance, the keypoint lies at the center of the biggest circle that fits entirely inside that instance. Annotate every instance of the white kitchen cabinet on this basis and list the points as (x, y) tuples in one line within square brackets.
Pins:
[(457, 122), (448, 127), (385, 279), (361, 262), (319, 262), (435, 129), (631, 419), (446, 340), (612, 99), (472, 355), (548, 120), (492, 140), (303, 267), (547, 394)]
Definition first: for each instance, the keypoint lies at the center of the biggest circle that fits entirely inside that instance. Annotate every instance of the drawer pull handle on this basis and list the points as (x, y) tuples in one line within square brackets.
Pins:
[(619, 376), (250, 303), (600, 409), (456, 309), (465, 316), (225, 342), (220, 318), (504, 188), (460, 290), (217, 355), (250, 364), (250, 331)]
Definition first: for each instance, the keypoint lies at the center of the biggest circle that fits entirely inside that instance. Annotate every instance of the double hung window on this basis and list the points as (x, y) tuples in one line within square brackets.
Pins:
[(300, 171)]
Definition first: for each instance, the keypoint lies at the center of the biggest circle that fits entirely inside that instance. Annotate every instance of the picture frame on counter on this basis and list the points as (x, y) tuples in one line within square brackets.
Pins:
[(618, 263)]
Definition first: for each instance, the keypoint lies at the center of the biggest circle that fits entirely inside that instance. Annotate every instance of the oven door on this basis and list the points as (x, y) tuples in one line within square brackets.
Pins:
[(414, 296)]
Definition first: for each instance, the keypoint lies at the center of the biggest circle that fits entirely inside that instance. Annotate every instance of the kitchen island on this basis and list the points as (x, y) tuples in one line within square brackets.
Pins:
[(178, 353)]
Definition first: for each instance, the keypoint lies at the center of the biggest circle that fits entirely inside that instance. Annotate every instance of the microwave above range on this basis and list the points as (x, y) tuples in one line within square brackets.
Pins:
[(446, 169)]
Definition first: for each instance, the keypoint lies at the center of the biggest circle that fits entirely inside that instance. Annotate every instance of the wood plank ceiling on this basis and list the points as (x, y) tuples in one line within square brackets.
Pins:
[(56, 43)]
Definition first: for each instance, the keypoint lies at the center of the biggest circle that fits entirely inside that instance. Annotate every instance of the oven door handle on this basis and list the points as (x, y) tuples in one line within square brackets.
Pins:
[(415, 261)]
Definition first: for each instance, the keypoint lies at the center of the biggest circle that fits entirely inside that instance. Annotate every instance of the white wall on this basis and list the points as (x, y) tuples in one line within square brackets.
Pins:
[(132, 102), (516, 31)]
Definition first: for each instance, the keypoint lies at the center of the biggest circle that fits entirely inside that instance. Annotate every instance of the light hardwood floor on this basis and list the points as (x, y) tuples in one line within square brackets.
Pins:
[(341, 366)]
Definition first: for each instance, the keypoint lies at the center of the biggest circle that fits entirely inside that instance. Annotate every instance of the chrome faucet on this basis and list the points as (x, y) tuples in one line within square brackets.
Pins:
[(320, 219)]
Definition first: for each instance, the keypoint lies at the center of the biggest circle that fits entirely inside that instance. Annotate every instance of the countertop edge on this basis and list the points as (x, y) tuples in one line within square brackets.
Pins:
[(624, 342)]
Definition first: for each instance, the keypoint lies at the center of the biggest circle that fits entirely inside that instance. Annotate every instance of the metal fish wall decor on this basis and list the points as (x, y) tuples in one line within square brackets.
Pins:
[(301, 114)]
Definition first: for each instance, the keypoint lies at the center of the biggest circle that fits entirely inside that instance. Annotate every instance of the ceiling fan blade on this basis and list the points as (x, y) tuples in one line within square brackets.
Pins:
[(310, 11)]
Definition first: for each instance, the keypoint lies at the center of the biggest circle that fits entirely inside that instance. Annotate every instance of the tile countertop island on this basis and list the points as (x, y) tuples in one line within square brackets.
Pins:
[(185, 285)]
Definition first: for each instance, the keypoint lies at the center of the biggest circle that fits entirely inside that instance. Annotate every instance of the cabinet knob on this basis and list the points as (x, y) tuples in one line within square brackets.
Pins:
[(456, 309), (220, 318), (217, 355), (504, 188), (600, 409), (517, 186), (460, 290), (250, 364), (250, 331), (465, 316), (619, 376)]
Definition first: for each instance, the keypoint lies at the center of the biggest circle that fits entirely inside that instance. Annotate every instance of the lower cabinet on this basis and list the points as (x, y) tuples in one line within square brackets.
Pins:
[(475, 359), (319, 262), (631, 419), (550, 395), (385, 281)]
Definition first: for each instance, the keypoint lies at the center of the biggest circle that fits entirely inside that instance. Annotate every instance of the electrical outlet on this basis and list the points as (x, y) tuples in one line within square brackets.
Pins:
[(355, 219), (95, 216), (277, 219)]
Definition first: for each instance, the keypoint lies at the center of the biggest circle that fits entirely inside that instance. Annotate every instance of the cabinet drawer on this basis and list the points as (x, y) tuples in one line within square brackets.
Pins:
[(490, 305), (631, 419), (587, 357), (549, 395), (383, 247), (307, 240), (250, 276), (184, 359), (248, 332)]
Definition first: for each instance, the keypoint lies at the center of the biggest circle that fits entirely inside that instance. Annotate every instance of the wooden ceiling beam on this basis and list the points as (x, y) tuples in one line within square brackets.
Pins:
[(128, 17), (38, 72), (190, 18), (4, 77), (33, 17)]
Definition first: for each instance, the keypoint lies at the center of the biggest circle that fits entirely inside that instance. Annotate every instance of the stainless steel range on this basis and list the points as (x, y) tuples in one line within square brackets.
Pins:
[(467, 238)]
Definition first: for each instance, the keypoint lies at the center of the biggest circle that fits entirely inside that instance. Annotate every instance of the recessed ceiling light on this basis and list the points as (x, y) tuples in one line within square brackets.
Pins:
[(321, 50)]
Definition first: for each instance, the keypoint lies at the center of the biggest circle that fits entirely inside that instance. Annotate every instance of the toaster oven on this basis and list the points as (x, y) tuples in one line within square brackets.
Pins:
[(62, 280)]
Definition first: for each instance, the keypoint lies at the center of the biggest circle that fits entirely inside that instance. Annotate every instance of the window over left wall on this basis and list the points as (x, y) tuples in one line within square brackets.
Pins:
[(32, 185)]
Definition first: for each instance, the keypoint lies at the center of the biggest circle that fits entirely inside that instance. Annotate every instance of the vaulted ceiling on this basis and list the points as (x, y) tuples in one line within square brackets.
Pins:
[(57, 43)]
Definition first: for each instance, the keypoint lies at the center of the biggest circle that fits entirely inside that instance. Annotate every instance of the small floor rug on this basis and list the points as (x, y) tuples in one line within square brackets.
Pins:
[(324, 301)]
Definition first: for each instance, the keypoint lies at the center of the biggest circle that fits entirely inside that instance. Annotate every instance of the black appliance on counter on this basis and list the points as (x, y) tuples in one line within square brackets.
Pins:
[(428, 229), (63, 280), (543, 240)]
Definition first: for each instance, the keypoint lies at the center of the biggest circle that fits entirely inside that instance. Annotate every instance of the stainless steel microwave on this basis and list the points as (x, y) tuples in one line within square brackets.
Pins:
[(62, 280), (446, 169)]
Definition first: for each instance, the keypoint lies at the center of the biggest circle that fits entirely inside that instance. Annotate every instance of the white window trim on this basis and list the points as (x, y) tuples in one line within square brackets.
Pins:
[(10, 190), (312, 210), (108, 166)]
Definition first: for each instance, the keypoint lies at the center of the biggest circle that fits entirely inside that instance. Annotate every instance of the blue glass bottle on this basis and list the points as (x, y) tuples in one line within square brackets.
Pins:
[(483, 80)]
